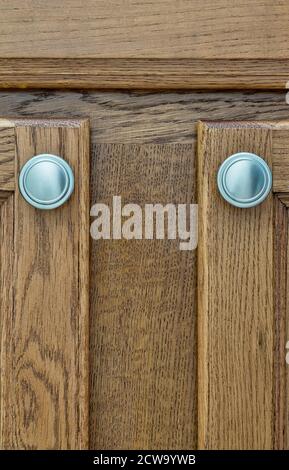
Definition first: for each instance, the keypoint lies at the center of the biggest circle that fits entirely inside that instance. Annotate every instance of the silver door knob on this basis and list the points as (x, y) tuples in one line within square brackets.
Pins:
[(244, 179), (46, 181)]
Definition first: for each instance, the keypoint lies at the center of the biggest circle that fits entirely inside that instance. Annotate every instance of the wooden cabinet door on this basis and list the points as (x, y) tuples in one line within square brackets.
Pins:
[(44, 294), (242, 388), (133, 344), (242, 291)]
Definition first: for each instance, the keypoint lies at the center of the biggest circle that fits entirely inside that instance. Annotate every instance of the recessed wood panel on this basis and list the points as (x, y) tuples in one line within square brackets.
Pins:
[(143, 313)]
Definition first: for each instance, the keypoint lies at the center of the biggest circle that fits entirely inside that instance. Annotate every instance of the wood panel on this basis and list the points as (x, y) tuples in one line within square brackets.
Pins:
[(139, 118), (236, 311), (44, 358), (134, 118), (145, 74), (135, 29), (7, 157), (143, 316)]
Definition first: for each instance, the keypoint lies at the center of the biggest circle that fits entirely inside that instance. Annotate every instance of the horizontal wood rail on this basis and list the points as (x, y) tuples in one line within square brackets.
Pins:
[(148, 74)]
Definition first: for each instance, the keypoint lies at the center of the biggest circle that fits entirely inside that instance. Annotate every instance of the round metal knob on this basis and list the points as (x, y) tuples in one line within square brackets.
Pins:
[(46, 181), (244, 179)]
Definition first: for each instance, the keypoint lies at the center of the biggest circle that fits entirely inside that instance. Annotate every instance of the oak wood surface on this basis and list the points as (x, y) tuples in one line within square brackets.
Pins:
[(4, 195), (6, 285), (7, 158), (143, 315), (139, 118), (280, 155), (134, 118), (235, 307), (136, 29), (44, 319), (280, 149), (281, 385), (157, 74)]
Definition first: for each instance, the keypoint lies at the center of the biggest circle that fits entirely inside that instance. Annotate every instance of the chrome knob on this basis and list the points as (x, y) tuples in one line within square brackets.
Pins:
[(244, 180), (46, 181)]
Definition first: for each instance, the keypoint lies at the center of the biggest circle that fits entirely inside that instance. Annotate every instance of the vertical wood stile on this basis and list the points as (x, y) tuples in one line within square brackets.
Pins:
[(44, 355), (235, 289)]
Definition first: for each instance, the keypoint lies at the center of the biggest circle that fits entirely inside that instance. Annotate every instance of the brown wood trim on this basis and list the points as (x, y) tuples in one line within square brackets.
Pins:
[(284, 198), (280, 151), (7, 156), (181, 74), (281, 379)]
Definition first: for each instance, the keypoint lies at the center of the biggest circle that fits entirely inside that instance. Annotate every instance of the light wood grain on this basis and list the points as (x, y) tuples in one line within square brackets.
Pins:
[(135, 28), (235, 290), (44, 358), (145, 74), (143, 335), (7, 158)]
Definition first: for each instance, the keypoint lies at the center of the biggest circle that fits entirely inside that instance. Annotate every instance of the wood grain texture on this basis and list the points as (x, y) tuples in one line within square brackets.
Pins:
[(235, 290), (135, 117), (6, 284), (44, 358), (145, 74), (143, 316), (281, 158), (281, 263), (139, 118), (4, 196), (135, 29), (7, 157), (281, 385)]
